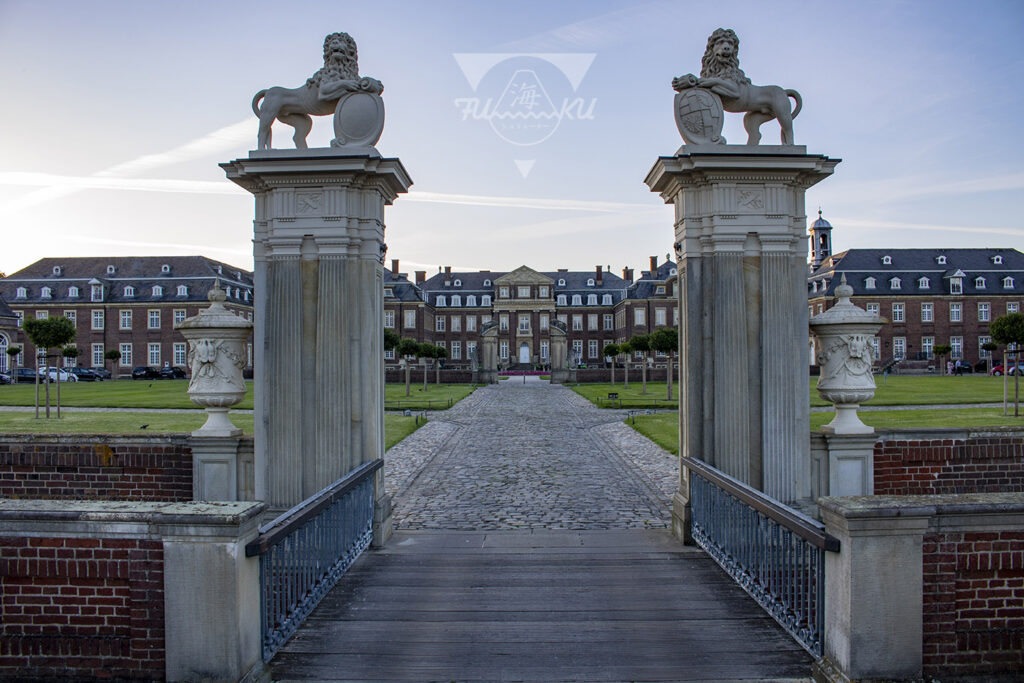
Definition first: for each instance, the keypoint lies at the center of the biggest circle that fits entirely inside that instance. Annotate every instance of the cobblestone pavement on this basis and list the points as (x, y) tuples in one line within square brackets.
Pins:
[(528, 456)]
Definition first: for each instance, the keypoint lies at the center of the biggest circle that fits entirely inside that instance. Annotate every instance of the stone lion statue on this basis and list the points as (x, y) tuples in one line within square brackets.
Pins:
[(318, 97), (721, 74)]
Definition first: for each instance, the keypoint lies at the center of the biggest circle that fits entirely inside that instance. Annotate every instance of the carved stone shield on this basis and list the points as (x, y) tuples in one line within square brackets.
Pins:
[(699, 117), (358, 120)]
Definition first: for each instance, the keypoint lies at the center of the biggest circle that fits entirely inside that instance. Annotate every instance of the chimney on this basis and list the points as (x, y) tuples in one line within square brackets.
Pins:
[(394, 266), (563, 270), (421, 277), (654, 266), (598, 278), (627, 275), (447, 276)]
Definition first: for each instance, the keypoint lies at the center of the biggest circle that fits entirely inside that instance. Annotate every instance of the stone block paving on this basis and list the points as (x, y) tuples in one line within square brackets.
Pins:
[(529, 456)]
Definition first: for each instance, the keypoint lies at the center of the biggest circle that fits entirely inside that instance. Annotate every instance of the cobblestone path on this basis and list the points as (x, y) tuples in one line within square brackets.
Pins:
[(529, 456)]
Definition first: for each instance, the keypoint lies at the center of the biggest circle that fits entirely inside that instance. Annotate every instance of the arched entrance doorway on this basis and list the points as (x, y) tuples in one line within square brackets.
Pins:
[(524, 353)]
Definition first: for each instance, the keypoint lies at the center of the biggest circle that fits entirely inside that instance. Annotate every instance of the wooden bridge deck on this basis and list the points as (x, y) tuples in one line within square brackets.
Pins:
[(622, 605)]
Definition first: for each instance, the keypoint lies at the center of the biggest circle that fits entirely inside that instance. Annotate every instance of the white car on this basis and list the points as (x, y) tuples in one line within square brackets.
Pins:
[(57, 375)]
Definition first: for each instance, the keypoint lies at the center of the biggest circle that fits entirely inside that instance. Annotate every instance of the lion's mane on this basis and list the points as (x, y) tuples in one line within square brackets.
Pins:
[(343, 63), (713, 66)]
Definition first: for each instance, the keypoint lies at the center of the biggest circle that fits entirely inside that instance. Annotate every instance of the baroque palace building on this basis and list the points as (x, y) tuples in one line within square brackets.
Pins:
[(596, 307), (128, 304), (929, 296)]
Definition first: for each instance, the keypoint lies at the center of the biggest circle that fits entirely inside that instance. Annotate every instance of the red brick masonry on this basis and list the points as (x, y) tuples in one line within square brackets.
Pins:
[(964, 463), (88, 467), (81, 608), (973, 603)]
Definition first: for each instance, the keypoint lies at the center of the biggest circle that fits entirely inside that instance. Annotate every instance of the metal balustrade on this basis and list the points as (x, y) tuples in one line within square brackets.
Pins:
[(305, 551), (773, 552)]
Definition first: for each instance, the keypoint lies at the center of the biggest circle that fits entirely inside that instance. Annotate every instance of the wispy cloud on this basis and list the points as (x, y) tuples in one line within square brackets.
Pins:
[(523, 202), (915, 187), (927, 227), (54, 183)]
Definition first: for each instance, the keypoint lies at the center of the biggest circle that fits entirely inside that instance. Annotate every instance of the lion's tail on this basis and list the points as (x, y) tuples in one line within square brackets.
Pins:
[(799, 101), (255, 101)]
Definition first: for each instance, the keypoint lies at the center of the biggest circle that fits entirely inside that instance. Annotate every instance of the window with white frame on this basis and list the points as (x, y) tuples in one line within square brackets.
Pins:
[(675, 316), (389, 354), (590, 282), (941, 260), (439, 323), (389, 319), (470, 323), (609, 321), (456, 323), (577, 300), (606, 299), (592, 321), (524, 322), (639, 316), (153, 352), (457, 283), (955, 312), (471, 299), (179, 315), (180, 353), (97, 355), (21, 293), (545, 346), (979, 282), (487, 283), (561, 282), (129, 290), (544, 321), (456, 350), (927, 346), (659, 316), (523, 292), (126, 355), (441, 300), (982, 352), (887, 260), (927, 312), (1012, 307), (895, 283), (577, 322), (20, 315), (456, 299), (876, 348), (660, 289), (1007, 282), (158, 290), (73, 292), (956, 285), (72, 316), (502, 292), (153, 319), (563, 318), (485, 300), (503, 321), (470, 349), (503, 349), (924, 282), (96, 293), (182, 290), (543, 291), (42, 315), (485, 318), (591, 299), (897, 312), (592, 349), (561, 300), (46, 293), (899, 347), (126, 319), (872, 308), (97, 319), (869, 283), (577, 348), (410, 320), (957, 347), (984, 312)]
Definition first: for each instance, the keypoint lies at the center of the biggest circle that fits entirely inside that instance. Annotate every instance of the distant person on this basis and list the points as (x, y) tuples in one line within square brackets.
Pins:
[(949, 367)]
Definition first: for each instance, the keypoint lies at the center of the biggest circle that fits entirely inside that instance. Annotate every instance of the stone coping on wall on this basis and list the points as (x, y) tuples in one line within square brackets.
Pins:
[(953, 433), (986, 509)]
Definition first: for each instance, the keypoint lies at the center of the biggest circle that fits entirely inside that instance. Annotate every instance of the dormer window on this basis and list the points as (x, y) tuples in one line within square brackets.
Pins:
[(389, 293), (46, 293), (592, 299), (923, 283), (458, 283), (111, 270), (606, 300), (158, 290), (73, 292), (814, 286), (561, 282), (97, 292), (997, 259), (561, 301), (1007, 282), (129, 291), (246, 295), (182, 290), (471, 299), (487, 283), (941, 260), (956, 285), (485, 300), (441, 300), (57, 270), (895, 283), (456, 300), (887, 260), (166, 268), (21, 293), (673, 271), (577, 300), (869, 283), (590, 282), (979, 282), (660, 289)]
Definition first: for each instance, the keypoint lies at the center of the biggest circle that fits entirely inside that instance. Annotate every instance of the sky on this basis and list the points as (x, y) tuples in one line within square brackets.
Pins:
[(116, 115)]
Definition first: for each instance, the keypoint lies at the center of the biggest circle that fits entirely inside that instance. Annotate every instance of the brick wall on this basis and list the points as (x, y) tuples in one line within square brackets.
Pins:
[(81, 608), (960, 462), (108, 468), (973, 608)]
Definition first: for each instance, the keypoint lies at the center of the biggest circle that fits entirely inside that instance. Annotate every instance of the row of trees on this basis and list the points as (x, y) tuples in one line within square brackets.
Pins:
[(420, 351), (664, 340)]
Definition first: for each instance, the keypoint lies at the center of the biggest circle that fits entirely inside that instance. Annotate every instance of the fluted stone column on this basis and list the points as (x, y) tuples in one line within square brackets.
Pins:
[(741, 246), (319, 373), (489, 353)]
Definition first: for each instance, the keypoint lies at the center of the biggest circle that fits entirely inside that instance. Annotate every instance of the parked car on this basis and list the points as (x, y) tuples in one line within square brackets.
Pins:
[(172, 373), (24, 375), (1012, 368), (101, 373), (145, 372), (58, 374), (5, 379), (85, 374)]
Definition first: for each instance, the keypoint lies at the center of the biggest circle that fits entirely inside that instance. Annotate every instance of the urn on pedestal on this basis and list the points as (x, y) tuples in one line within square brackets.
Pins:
[(216, 356), (844, 350)]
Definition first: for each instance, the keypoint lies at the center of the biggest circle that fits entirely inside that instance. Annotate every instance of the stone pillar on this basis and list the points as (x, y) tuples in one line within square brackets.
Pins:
[(489, 353), (319, 370), (740, 229), (558, 350)]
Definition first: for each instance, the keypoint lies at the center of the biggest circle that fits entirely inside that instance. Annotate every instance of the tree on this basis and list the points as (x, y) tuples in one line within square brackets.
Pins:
[(610, 351), (12, 352), (426, 350), (438, 353), (1009, 329), (46, 334), (990, 347), (391, 339), (70, 352), (113, 356), (406, 348), (941, 350), (666, 340), (625, 349), (642, 343)]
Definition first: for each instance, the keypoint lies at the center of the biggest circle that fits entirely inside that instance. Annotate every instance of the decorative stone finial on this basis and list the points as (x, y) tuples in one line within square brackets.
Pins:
[(336, 87), (216, 295), (723, 86)]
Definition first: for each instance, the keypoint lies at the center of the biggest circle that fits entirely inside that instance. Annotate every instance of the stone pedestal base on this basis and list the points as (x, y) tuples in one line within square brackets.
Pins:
[(560, 376), (215, 467), (383, 520), (681, 519), (488, 376), (851, 464), (218, 423)]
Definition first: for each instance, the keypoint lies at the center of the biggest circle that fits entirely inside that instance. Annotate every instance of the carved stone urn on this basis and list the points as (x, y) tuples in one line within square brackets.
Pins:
[(216, 356), (844, 336)]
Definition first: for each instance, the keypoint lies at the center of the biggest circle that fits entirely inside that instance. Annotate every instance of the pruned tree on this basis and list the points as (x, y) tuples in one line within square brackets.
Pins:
[(611, 351), (391, 339), (439, 353), (941, 350), (426, 351), (666, 340), (113, 356), (406, 348), (625, 349), (991, 347), (642, 343), (47, 334), (1009, 330), (12, 354)]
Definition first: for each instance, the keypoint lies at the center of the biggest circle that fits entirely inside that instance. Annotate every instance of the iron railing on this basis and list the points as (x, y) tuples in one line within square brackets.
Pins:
[(305, 551), (773, 552)]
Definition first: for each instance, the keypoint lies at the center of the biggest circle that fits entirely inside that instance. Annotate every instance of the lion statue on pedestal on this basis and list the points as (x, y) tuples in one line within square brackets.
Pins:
[(319, 96), (721, 74)]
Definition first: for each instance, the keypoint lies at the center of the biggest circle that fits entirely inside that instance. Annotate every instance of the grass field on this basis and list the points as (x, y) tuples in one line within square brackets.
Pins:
[(663, 428), (396, 427), (894, 390), (436, 397)]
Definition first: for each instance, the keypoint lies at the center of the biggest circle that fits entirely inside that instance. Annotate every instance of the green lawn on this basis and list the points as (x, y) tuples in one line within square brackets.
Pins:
[(663, 428), (436, 397), (122, 393), (894, 390), (396, 427)]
